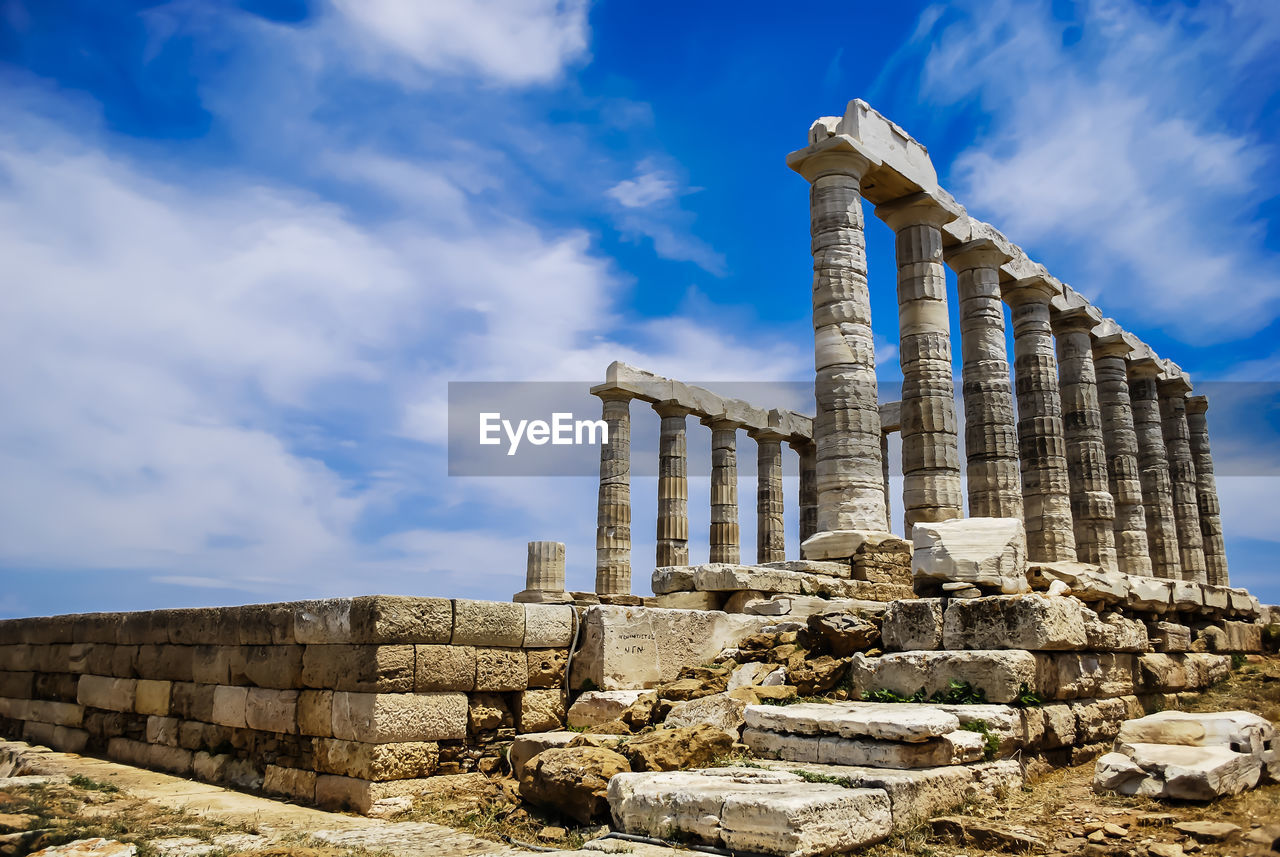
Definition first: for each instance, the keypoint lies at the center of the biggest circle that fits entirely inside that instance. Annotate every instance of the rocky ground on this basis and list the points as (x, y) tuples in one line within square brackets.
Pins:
[(1056, 814)]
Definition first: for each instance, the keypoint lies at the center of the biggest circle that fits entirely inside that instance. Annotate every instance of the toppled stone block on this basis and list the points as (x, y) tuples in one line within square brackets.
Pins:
[(670, 748), (386, 718), (1239, 731), (1227, 636), (1090, 583), (572, 780), (601, 706), (1032, 622), (988, 553), (525, 747), (913, 625), (764, 812), (1177, 772), (1003, 676)]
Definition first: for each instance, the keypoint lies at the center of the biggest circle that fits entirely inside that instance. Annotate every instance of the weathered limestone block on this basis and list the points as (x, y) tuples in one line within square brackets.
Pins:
[(488, 623), (278, 667), (1002, 721), (1227, 636), (54, 713), (128, 751), (375, 619), (163, 730), (266, 624), (1177, 772), (111, 694), (387, 718), (166, 662), (1244, 605), (525, 747), (351, 794), (192, 701), (955, 748), (600, 706), (271, 710), (541, 711), (572, 780), (1089, 583), (487, 712), (720, 710), (1240, 731), (16, 685), (501, 669), (1150, 594), (886, 722), (913, 625), (1188, 596), (65, 739), (546, 667), (1070, 675), (218, 665), (1049, 727), (764, 812), (315, 713), (1032, 622), (813, 566), (292, 783), (688, 601), (1112, 632), (1002, 675), (152, 697), (363, 668), (378, 762), (203, 626), (989, 553), (1217, 598), (1169, 637), (548, 625), (1099, 719), (444, 668)]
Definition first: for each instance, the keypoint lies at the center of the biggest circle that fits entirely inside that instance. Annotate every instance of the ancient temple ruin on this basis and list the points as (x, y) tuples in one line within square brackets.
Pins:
[(1083, 585)]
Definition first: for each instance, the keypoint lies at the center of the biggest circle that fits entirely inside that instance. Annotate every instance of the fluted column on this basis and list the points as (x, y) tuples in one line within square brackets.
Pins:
[(613, 514), (990, 423), (544, 575), (1046, 492), (1215, 549), (673, 486), (1109, 352), (846, 428), (930, 439), (1093, 511), (1153, 466), (724, 489), (771, 536), (1182, 473), (808, 488)]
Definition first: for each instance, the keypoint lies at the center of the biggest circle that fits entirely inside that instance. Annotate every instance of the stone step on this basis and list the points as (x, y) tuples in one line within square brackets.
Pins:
[(957, 748), (750, 810)]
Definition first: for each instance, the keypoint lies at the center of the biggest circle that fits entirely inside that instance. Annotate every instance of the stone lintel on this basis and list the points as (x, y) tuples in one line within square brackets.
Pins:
[(1197, 404), (919, 208), (978, 253), (897, 165)]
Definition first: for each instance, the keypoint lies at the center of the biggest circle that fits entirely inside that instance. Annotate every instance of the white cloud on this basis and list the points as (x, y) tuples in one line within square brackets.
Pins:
[(1124, 158), (514, 42), (644, 190)]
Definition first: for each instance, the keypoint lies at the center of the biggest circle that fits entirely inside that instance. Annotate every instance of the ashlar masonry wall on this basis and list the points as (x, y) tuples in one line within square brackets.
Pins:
[(340, 702)]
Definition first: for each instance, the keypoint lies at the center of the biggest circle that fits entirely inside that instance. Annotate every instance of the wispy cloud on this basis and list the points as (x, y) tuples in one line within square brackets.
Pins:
[(644, 190)]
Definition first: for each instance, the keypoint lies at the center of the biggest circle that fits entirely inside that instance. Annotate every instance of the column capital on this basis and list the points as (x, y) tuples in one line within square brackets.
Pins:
[(1144, 365), (1036, 289), (767, 434), (1197, 404), (800, 444), (612, 393), (979, 253), (721, 422), (1173, 386), (672, 408), (840, 155), (1075, 319), (919, 209), (1109, 340)]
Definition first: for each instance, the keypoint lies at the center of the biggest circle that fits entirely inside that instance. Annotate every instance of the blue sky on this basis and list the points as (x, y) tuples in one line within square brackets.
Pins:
[(246, 247)]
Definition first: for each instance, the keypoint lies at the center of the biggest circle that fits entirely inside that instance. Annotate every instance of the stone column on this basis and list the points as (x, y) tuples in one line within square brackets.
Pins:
[(884, 470), (673, 486), (544, 575), (1182, 473), (613, 515), (846, 429), (1109, 351), (1215, 549), (990, 423), (1093, 511), (724, 489), (930, 439), (771, 537), (1042, 453), (1153, 466), (808, 488)]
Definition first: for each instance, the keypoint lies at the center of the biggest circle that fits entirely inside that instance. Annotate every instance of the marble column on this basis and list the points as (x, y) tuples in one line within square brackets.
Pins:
[(724, 538), (1093, 510), (808, 488), (544, 575), (673, 486), (1173, 388), (1109, 351), (1042, 452), (930, 438), (613, 515), (1153, 466), (846, 428), (771, 536), (1215, 549), (990, 422), (884, 470)]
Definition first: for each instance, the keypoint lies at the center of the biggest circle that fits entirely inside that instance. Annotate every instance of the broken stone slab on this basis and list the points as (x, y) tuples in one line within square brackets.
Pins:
[(884, 721), (1216, 599), (1112, 632), (670, 749), (803, 606), (1149, 594), (1207, 831), (810, 566), (525, 747), (913, 625), (989, 553), (1002, 675), (844, 544), (1032, 622), (572, 781), (762, 812), (1177, 772), (1239, 731), (985, 834), (601, 706), (1090, 583), (1187, 596), (956, 748), (1085, 675), (720, 710)]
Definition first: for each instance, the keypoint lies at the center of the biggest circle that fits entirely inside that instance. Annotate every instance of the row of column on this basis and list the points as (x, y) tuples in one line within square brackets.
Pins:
[(613, 531), (1106, 460)]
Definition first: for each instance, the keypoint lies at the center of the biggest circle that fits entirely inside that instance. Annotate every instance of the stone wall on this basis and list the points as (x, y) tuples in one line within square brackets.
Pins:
[(340, 702)]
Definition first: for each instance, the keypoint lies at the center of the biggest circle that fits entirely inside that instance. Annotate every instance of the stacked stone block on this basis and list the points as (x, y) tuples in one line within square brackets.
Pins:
[(336, 702)]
